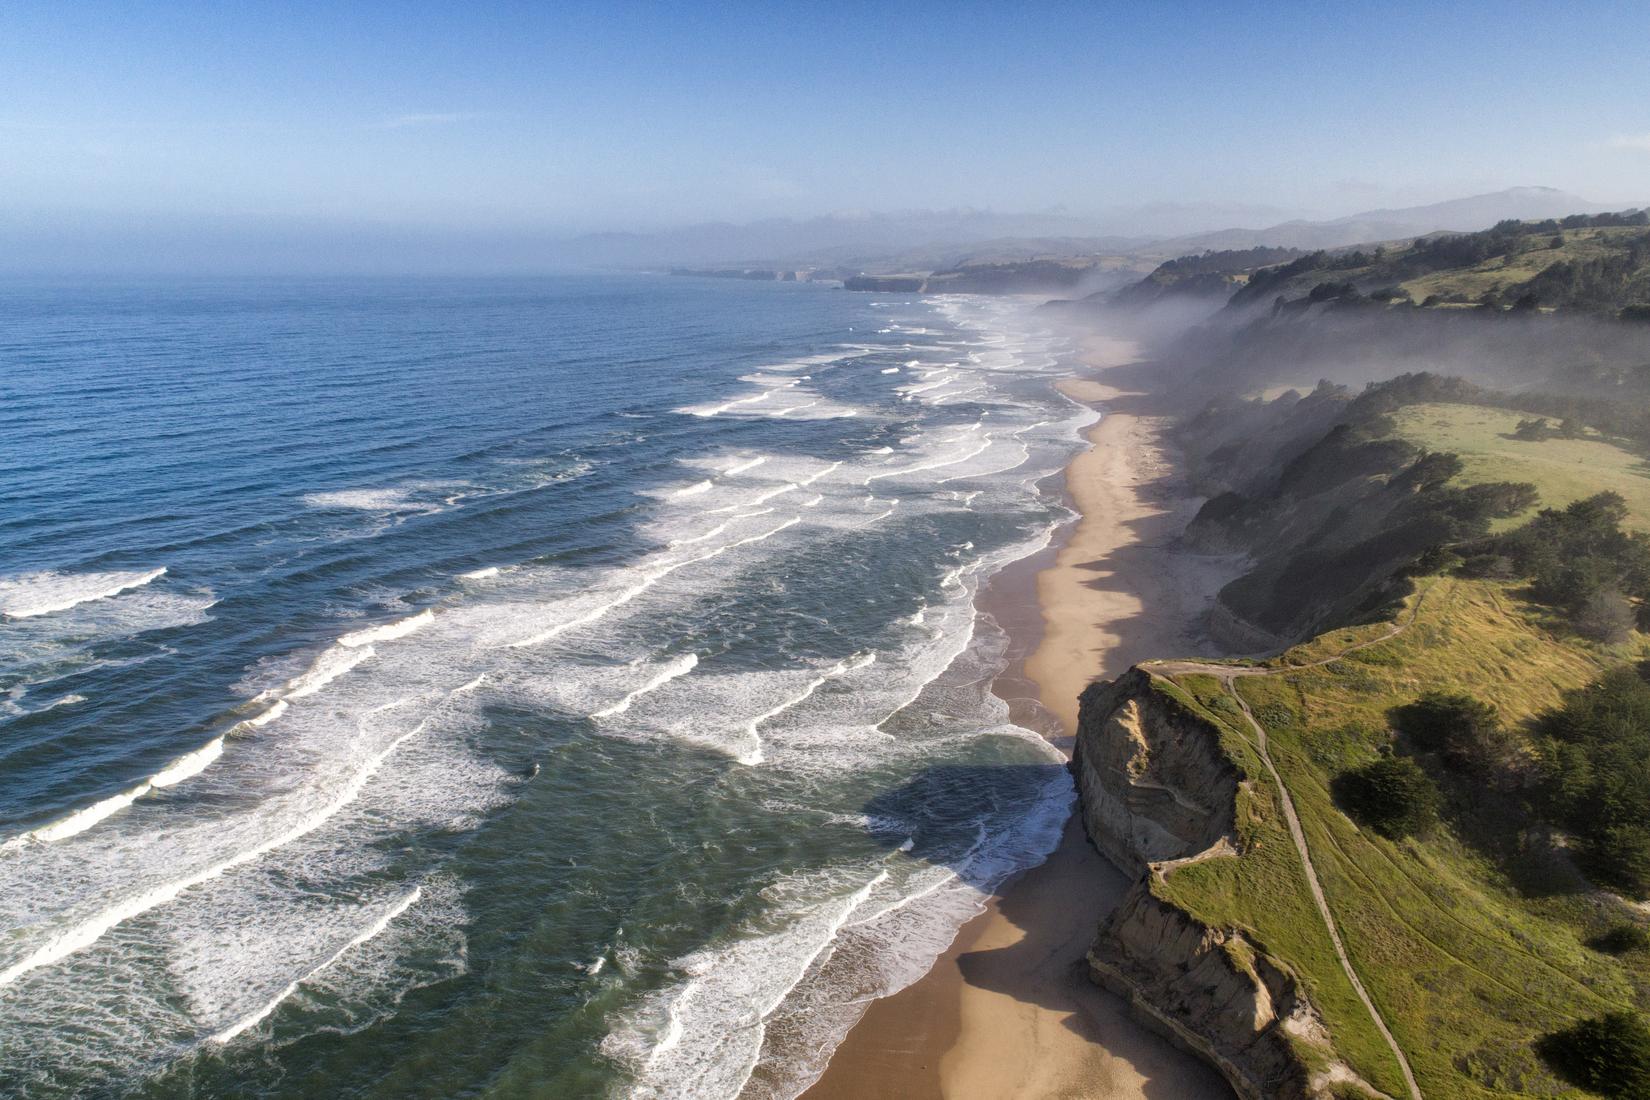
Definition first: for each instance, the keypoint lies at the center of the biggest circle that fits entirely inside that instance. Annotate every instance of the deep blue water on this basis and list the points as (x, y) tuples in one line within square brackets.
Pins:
[(301, 581)]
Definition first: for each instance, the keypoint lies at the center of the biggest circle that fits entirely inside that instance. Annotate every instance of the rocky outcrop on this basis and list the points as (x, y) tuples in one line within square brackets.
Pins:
[(1154, 782), (1213, 993), (1158, 791)]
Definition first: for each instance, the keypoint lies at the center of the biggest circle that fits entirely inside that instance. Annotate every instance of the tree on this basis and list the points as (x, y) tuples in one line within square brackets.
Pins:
[(1595, 776), (1606, 616), (1608, 1054), (1533, 430), (1466, 732), (1620, 857), (1393, 796)]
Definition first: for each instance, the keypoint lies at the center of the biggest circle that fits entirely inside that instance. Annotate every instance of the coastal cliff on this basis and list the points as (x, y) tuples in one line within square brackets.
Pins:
[(1159, 791), (1155, 786)]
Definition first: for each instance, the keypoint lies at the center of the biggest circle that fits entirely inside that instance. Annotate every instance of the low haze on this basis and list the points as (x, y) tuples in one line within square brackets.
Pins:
[(433, 138)]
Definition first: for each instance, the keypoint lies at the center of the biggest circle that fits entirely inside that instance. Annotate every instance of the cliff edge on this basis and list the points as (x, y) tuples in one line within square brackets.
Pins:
[(1160, 791)]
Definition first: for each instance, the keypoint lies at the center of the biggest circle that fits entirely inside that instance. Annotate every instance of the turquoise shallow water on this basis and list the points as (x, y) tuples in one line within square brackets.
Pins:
[(556, 687)]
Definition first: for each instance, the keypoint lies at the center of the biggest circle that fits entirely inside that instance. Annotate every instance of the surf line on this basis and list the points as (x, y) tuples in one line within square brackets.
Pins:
[(677, 668), (89, 932), (649, 579), (376, 927), (337, 659), (754, 755)]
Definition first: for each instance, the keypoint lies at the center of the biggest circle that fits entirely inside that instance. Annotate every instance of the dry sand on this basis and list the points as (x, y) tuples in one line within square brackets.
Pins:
[(1008, 1011)]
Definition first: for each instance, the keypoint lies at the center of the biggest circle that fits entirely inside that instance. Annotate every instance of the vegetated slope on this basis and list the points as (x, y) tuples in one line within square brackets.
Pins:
[(1470, 939), (1563, 468), (1597, 263), (1467, 967), (1202, 275), (1337, 498), (1467, 889)]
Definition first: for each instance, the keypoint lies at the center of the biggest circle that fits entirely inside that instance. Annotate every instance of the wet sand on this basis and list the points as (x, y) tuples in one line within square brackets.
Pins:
[(1008, 1010)]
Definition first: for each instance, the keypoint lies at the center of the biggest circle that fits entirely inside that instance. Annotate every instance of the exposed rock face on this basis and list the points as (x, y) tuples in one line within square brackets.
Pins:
[(1210, 992), (1154, 783), (1157, 790)]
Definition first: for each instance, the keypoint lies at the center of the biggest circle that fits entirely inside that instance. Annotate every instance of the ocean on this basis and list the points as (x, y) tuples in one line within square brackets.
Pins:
[(553, 687)]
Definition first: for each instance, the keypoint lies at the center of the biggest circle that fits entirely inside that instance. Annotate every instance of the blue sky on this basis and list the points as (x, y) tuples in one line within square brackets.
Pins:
[(561, 117)]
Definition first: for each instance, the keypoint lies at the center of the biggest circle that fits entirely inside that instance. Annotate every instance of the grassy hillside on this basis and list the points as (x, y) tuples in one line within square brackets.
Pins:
[(1264, 892), (1598, 264), (1515, 268), (1470, 947), (1562, 470)]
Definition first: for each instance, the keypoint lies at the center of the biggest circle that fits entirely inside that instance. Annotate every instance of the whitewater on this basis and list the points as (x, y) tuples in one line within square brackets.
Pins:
[(566, 685)]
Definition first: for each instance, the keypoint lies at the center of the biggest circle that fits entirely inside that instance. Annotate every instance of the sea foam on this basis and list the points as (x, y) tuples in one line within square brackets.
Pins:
[(23, 597)]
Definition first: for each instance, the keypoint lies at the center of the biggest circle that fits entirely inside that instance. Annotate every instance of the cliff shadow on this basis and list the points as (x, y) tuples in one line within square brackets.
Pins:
[(974, 820), (1052, 911), (1159, 591)]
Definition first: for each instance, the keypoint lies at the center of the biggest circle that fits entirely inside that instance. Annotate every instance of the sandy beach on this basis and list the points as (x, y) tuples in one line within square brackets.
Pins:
[(1008, 1010)]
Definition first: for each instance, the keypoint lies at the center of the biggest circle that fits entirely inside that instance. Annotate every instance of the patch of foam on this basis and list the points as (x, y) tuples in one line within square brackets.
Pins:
[(672, 670), (748, 464), (332, 663), (704, 1036), (372, 930), (646, 578), (753, 754), (400, 628), (364, 500), (28, 595)]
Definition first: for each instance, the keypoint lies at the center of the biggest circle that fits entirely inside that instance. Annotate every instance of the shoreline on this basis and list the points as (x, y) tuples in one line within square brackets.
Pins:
[(1007, 1010)]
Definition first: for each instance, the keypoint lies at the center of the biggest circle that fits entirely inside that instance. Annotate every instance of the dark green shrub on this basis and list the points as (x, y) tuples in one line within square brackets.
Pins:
[(1619, 856), (1393, 796), (1466, 732), (1619, 939), (1608, 1054)]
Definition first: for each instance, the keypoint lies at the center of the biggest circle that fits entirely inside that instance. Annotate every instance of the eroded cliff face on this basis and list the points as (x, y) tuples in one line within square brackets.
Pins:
[(1216, 994), (1154, 782), (1157, 792)]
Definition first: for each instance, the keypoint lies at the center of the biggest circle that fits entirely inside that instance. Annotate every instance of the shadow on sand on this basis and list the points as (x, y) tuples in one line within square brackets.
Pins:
[(1053, 910)]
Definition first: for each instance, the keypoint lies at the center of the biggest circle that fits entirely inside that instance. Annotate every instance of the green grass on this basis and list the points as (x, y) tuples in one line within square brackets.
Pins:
[(1465, 969), (1562, 470), (1501, 272), (1264, 893)]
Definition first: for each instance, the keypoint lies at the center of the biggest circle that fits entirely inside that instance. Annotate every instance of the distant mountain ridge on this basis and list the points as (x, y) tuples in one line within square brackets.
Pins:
[(1463, 215), (829, 239), (929, 241)]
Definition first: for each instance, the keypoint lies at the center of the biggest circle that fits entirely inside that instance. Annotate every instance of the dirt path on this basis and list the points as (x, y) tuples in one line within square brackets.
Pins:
[(1227, 674)]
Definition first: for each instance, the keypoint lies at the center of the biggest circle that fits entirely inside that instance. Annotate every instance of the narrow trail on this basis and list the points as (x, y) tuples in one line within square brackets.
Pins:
[(1227, 675)]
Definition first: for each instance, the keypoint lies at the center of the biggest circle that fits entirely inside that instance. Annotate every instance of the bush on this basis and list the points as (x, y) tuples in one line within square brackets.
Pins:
[(1619, 939), (1606, 616), (1393, 796), (1466, 732), (1608, 1054), (1595, 766), (1619, 856)]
